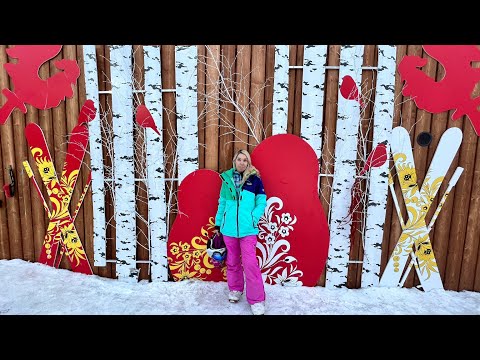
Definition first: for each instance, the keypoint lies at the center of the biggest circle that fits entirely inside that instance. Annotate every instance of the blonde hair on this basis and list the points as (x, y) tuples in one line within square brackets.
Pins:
[(250, 168)]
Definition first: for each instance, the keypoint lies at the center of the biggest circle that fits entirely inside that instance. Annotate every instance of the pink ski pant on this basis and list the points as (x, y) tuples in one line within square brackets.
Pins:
[(241, 258)]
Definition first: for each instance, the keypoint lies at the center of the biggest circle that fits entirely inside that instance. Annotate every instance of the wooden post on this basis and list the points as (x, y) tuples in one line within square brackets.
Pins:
[(291, 73), (257, 89), (460, 206), (242, 90), (211, 129), (297, 106), (72, 111), (170, 127), (439, 240), (227, 111), (328, 151), (269, 72), (22, 184), (8, 154), (141, 194), (471, 246), (201, 72)]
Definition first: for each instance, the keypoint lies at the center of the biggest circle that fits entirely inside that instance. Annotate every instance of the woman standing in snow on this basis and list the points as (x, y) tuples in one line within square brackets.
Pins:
[(241, 203)]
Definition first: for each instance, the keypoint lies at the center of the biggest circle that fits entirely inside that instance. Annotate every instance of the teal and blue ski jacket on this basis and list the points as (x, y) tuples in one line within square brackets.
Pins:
[(238, 215)]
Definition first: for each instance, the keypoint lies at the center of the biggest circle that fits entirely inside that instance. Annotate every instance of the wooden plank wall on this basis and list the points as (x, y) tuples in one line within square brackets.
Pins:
[(248, 71)]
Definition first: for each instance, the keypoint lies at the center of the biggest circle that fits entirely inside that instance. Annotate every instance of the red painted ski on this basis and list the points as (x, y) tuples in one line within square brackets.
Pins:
[(61, 226)]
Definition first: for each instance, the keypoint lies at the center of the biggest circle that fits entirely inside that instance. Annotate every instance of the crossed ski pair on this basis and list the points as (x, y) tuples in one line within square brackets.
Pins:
[(61, 228), (415, 231)]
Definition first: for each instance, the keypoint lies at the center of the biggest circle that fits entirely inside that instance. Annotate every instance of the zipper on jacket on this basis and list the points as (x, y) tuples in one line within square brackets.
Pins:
[(238, 230), (223, 222)]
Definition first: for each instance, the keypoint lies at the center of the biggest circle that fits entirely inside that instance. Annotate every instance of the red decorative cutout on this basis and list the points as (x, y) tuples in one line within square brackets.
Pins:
[(294, 235), (144, 119), (349, 90), (87, 112), (29, 87), (187, 242), (454, 90)]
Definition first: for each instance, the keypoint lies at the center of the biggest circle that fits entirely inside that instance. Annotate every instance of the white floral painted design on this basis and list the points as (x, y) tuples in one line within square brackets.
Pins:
[(276, 265)]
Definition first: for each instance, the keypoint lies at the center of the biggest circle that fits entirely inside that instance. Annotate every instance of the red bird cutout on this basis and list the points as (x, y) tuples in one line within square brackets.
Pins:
[(29, 87), (454, 90), (87, 112), (349, 90), (144, 119)]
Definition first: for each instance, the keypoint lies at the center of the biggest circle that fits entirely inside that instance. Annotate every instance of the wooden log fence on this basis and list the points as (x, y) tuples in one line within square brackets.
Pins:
[(209, 101)]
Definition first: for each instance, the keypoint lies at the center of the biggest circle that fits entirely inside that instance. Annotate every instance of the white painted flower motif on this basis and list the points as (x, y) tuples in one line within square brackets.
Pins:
[(286, 218), (284, 231), (270, 239), (276, 264), (272, 227)]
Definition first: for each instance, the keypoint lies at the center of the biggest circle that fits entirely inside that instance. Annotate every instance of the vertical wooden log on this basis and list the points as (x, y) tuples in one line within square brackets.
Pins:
[(437, 238), (422, 124), (60, 140), (141, 196), (87, 205), (170, 128), (471, 245), (297, 107), (292, 59), (8, 154), (201, 100), (351, 59), (470, 252), (45, 122), (269, 78), (4, 238), (22, 182), (364, 147), (72, 111), (106, 121), (378, 187), (227, 110), (257, 89), (186, 104), (326, 169), (212, 114), (242, 95), (460, 206), (281, 99)]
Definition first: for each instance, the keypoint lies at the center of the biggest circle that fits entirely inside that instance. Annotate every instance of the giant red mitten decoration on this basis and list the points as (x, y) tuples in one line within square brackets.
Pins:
[(294, 236), (187, 242)]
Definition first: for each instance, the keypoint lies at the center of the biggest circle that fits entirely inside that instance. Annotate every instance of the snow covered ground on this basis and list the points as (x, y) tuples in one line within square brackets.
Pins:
[(35, 289)]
